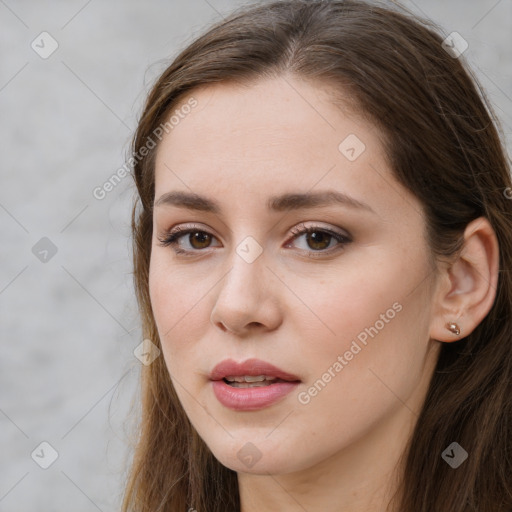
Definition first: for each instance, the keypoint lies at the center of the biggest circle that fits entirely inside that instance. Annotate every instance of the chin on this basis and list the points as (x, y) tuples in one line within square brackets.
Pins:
[(257, 458), (261, 467)]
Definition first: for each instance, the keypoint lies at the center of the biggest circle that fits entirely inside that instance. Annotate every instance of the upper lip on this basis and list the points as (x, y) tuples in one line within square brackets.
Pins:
[(251, 367)]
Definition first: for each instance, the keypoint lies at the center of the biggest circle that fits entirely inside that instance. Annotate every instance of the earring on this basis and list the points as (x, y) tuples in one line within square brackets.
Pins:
[(453, 327)]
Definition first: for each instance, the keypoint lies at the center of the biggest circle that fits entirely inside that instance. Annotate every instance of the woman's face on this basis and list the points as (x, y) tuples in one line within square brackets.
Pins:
[(346, 309)]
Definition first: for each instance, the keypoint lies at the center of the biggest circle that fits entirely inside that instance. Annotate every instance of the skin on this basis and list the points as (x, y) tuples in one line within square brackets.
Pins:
[(239, 146)]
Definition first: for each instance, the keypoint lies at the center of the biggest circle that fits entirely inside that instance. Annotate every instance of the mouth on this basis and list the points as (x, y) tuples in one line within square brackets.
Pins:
[(251, 385)]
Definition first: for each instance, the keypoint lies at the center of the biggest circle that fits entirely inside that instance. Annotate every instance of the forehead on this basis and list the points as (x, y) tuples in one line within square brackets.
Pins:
[(262, 115), (271, 137), (272, 121)]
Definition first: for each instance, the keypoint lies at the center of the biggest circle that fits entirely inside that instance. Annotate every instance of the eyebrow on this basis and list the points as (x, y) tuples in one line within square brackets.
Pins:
[(281, 203)]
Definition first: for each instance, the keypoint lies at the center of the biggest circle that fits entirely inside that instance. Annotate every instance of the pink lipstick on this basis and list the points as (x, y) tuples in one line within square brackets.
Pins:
[(251, 385)]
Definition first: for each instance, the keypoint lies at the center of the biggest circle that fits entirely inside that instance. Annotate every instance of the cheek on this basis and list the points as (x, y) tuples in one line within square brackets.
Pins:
[(376, 319), (353, 385), (172, 293), (178, 305), (339, 309)]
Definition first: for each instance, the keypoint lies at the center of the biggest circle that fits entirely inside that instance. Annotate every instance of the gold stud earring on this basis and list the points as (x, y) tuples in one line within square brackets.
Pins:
[(453, 327)]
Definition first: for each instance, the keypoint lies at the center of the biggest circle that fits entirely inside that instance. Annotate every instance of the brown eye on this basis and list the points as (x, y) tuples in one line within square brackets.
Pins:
[(187, 241), (203, 239), (318, 240)]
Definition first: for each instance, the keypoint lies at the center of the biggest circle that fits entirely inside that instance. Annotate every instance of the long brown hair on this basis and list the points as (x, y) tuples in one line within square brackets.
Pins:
[(443, 141)]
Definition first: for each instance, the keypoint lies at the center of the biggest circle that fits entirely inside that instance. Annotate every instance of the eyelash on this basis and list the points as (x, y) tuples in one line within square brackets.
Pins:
[(171, 239)]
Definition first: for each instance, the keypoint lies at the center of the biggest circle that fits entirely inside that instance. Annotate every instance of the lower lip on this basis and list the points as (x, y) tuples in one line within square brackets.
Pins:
[(251, 399)]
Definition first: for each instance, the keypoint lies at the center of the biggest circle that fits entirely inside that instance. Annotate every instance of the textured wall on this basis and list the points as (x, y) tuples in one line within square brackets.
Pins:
[(68, 318)]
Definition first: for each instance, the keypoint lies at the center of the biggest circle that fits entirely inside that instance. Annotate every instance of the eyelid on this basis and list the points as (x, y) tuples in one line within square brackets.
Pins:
[(172, 236), (184, 228), (302, 228), (176, 233)]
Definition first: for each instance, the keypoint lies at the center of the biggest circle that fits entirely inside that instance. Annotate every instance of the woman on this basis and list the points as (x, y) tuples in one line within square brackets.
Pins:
[(322, 254)]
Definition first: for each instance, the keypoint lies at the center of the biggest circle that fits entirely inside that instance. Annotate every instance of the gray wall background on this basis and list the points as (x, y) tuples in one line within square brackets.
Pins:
[(68, 319)]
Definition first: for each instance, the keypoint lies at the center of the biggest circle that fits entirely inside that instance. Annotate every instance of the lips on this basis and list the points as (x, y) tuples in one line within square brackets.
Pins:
[(251, 367), (245, 397)]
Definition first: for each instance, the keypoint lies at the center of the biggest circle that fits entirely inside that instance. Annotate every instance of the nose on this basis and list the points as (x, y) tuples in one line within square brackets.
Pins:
[(248, 298)]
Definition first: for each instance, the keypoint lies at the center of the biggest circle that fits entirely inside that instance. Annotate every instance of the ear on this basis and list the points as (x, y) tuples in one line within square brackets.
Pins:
[(467, 286)]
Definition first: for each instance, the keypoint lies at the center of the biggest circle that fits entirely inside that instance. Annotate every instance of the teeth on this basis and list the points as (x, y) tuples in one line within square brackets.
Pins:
[(251, 384), (250, 378)]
